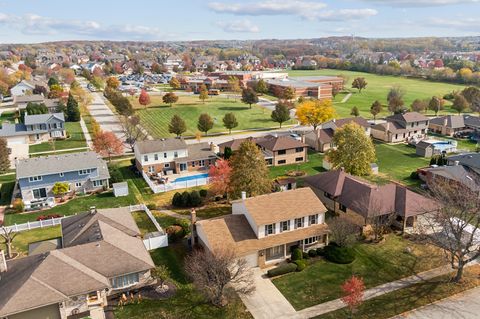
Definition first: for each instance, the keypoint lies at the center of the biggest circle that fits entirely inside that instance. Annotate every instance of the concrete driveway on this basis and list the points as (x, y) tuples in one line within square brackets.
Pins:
[(267, 302)]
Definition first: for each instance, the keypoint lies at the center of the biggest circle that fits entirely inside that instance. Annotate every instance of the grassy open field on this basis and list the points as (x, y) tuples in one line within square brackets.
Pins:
[(157, 117), (75, 140), (376, 263), (377, 89)]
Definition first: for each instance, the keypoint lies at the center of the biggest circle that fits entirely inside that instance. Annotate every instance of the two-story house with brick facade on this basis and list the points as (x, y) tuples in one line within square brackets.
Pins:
[(265, 229), (406, 127)]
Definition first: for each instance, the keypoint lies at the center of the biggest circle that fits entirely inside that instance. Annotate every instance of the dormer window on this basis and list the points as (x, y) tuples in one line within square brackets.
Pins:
[(35, 178), (269, 229), (284, 226), (84, 171), (313, 219), (299, 222)]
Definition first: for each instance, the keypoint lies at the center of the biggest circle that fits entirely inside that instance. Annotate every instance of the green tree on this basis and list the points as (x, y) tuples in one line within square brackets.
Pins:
[(460, 103), (249, 171), (261, 87), (281, 113), (205, 123), (170, 98), (36, 108), (435, 105), (203, 93), (52, 81), (355, 150), (161, 274), (230, 122), (177, 125), (288, 93), (249, 96), (471, 93), (60, 188), (359, 83), (375, 109), (395, 100), (355, 112), (73, 112), (4, 159)]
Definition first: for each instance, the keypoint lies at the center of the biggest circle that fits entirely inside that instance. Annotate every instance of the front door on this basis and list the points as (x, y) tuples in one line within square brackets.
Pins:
[(183, 167)]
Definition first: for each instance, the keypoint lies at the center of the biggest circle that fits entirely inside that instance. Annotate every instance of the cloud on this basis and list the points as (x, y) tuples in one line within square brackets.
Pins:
[(464, 23), (32, 24), (421, 3), (245, 26), (345, 14)]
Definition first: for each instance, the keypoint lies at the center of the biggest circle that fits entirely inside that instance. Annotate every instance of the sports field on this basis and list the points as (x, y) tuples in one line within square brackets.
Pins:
[(377, 89)]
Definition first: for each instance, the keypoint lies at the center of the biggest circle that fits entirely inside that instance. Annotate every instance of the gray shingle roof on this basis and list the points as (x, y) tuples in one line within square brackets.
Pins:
[(162, 145), (10, 129), (471, 160), (42, 118), (453, 121), (53, 164)]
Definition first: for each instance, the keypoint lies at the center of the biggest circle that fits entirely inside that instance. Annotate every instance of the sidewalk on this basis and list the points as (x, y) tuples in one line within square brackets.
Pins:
[(88, 138), (61, 151)]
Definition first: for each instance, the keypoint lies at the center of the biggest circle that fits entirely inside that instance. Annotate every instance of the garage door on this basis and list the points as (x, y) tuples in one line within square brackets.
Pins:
[(17, 140), (252, 259)]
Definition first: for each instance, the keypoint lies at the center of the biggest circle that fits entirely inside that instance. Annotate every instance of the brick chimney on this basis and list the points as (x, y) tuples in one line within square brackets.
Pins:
[(244, 195), (193, 221), (3, 262)]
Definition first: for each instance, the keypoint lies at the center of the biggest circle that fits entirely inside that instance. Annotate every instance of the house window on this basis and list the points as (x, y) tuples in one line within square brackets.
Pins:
[(276, 252), (61, 174), (97, 183), (343, 208), (281, 162), (78, 184), (39, 193), (166, 165), (313, 219), (84, 171), (175, 154), (155, 157), (35, 178), (311, 240), (285, 226), (164, 155), (125, 281), (269, 229), (299, 159), (151, 169), (282, 152), (201, 163), (299, 222), (193, 163), (145, 158), (299, 149)]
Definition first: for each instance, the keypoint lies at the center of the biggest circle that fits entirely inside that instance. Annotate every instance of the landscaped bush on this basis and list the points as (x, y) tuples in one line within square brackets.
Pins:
[(187, 199), (339, 255), (177, 200), (301, 264), (297, 254), (50, 216), (195, 199), (305, 255), (282, 269), (320, 251), (203, 193), (115, 174), (175, 232), (18, 205), (414, 175), (152, 206), (312, 253)]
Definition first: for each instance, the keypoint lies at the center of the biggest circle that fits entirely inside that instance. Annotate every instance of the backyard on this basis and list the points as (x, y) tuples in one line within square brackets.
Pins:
[(375, 263), (156, 118), (7, 183), (75, 139), (21, 241), (312, 167), (377, 89)]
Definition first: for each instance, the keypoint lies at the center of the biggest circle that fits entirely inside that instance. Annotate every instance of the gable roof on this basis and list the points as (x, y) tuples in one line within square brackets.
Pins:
[(276, 143), (357, 119), (161, 145), (471, 160), (42, 118), (11, 129), (330, 181), (453, 121), (29, 98), (408, 117)]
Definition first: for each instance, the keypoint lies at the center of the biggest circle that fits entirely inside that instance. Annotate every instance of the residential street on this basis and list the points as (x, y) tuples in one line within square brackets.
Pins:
[(462, 306)]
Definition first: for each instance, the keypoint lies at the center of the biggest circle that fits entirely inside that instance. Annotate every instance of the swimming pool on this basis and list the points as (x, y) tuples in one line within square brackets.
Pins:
[(190, 178)]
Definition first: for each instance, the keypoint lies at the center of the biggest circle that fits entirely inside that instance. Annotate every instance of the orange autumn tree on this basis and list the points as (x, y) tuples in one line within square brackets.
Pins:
[(219, 175), (144, 98), (353, 290), (107, 144)]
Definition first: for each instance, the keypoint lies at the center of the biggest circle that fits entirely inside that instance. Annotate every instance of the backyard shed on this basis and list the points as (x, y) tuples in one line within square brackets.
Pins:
[(120, 189)]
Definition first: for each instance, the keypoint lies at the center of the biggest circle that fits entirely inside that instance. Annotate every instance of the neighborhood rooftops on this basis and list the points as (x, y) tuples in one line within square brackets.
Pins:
[(161, 145), (42, 118), (408, 117), (269, 142), (53, 164), (453, 121), (11, 129), (471, 160)]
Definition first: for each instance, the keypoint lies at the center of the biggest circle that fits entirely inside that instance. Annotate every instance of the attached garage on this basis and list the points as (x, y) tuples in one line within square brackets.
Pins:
[(48, 312), (252, 259)]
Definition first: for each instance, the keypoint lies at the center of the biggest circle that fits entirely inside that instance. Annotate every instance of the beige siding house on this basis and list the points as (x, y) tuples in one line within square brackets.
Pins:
[(398, 128)]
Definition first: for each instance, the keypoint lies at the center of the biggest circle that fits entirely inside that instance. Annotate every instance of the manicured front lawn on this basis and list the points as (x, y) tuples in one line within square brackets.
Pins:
[(21, 241), (157, 117), (75, 140), (398, 161), (77, 205), (375, 263), (377, 89), (413, 297), (312, 167), (187, 302)]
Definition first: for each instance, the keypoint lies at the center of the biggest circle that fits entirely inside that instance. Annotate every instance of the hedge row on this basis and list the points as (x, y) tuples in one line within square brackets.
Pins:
[(282, 270)]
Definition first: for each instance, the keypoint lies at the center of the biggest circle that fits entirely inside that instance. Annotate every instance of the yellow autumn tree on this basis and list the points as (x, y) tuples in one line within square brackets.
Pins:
[(315, 112)]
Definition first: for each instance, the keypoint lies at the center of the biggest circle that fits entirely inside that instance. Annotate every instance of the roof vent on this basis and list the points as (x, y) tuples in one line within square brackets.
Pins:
[(93, 210)]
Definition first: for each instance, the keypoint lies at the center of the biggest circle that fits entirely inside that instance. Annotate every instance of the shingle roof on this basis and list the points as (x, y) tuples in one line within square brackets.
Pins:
[(358, 120), (199, 151), (234, 144), (472, 121), (330, 182), (29, 98), (162, 145), (408, 117), (10, 129), (471, 160), (453, 121), (53, 164), (275, 143), (42, 118), (276, 207)]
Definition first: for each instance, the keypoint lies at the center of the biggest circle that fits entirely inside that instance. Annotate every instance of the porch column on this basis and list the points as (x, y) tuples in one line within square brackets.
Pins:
[(284, 251), (404, 224)]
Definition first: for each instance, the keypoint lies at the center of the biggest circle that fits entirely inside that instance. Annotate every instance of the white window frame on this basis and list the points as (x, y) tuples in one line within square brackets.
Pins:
[(313, 219), (155, 157), (35, 179), (61, 174), (166, 165), (84, 171), (97, 183), (269, 229), (201, 163), (78, 184), (175, 154), (302, 222), (311, 240), (151, 169), (145, 158), (284, 223), (165, 155)]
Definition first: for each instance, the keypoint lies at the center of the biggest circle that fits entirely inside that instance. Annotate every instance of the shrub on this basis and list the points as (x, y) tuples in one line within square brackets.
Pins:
[(18, 205), (152, 206), (203, 193), (312, 253), (50, 216), (339, 255), (185, 202), (414, 175), (301, 264), (177, 200), (320, 251), (175, 232), (297, 254), (305, 255), (194, 199), (115, 174), (282, 269)]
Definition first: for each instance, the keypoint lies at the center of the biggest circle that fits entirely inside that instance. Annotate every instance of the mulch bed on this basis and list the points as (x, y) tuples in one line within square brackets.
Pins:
[(149, 292)]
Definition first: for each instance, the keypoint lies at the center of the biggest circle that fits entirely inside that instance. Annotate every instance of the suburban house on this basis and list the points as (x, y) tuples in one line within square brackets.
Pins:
[(451, 173), (35, 128), (26, 86), (321, 139), (21, 102), (362, 202), (173, 156), (429, 148), (277, 150), (406, 127), (266, 228), (84, 172), (101, 255), (449, 125)]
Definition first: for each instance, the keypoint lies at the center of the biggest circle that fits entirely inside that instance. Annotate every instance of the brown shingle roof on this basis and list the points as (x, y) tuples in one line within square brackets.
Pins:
[(408, 117), (358, 120), (330, 182), (275, 143), (453, 121)]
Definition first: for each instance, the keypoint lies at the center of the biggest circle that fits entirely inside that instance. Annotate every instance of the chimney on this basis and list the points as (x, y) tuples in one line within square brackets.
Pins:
[(193, 221), (3, 262), (93, 210), (445, 121), (456, 163), (244, 195), (214, 148)]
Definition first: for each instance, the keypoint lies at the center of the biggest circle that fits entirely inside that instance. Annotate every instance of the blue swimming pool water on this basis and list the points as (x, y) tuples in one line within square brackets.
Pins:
[(191, 177)]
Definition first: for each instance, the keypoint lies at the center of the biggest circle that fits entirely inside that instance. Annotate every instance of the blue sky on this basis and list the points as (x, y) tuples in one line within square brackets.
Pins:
[(51, 20)]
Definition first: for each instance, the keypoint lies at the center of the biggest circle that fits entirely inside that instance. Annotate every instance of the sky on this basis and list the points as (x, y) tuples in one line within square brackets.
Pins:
[(33, 21)]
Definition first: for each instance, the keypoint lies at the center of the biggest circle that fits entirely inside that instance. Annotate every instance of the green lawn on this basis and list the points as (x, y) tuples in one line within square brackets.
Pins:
[(375, 263), (75, 140), (462, 144), (413, 297), (377, 89), (21, 241), (211, 211), (144, 223), (157, 117), (312, 167), (7, 183), (187, 302), (77, 205), (7, 117)]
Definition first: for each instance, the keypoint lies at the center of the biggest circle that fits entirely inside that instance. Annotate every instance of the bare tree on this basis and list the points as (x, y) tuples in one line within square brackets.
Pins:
[(454, 225), (379, 221), (212, 272), (342, 231), (132, 131), (8, 237)]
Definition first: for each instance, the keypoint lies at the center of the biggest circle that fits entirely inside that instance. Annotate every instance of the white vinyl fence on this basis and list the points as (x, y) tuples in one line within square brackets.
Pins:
[(37, 224), (170, 186), (156, 239)]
